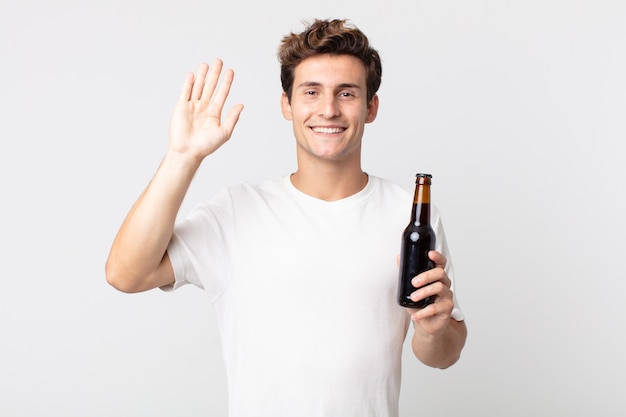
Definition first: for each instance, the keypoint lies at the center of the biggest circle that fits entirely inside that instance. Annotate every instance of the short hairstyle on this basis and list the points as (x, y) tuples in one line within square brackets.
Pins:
[(336, 37)]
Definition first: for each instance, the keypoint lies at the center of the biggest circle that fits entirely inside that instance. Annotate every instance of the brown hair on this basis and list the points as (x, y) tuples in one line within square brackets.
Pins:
[(335, 37)]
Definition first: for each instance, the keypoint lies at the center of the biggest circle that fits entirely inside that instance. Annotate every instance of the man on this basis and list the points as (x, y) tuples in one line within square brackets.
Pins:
[(301, 269)]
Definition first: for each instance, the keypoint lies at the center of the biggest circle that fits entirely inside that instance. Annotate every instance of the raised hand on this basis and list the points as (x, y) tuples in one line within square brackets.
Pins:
[(196, 128)]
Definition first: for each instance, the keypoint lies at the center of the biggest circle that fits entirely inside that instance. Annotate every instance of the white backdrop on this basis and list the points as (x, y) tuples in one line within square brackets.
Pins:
[(515, 107)]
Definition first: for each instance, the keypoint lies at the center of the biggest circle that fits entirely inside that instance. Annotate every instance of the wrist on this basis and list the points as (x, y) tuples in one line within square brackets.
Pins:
[(182, 162)]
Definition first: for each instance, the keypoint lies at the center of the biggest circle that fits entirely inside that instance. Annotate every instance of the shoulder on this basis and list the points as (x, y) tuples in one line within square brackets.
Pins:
[(390, 191), (389, 186), (249, 197), (400, 195), (248, 191)]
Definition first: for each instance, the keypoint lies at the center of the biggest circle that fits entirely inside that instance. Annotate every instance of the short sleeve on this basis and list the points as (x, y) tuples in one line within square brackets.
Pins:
[(442, 247), (201, 247)]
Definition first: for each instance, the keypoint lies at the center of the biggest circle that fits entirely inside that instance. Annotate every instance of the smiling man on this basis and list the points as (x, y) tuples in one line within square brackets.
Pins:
[(301, 269), (329, 108)]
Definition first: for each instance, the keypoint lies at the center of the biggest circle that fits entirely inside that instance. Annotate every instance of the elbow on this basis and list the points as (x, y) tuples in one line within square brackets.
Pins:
[(133, 280), (446, 351), (118, 279), (451, 360), (456, 344), (438, 362)]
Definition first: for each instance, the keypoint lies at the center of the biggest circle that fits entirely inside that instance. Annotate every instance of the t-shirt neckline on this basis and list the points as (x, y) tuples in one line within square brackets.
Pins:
[(351, 200)]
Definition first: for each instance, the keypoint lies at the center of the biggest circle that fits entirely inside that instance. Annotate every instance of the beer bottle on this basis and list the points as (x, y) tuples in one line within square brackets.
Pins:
[(417, 240)]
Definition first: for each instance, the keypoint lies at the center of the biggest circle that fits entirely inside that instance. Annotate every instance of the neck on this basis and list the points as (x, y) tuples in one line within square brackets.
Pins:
[(330, 184)]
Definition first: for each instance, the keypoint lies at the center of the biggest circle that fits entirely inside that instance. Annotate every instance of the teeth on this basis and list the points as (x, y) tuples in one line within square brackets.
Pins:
[(327, 130)]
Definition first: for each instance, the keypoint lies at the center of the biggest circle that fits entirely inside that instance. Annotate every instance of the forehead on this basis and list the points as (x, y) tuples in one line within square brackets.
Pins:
[(329, 69)]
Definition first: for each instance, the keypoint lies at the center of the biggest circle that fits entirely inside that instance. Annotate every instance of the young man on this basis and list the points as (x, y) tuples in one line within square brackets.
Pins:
[(301, 269)]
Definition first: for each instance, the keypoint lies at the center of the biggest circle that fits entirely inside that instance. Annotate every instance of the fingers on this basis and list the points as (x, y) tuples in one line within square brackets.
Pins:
[(432, 275), (224, 90), (232, 117), (202, 85), (437, 289), (434, 282), (435, 274), (208, 87), (439, 260), (192, 87), (187, 86), (198, 85), (442, 309)]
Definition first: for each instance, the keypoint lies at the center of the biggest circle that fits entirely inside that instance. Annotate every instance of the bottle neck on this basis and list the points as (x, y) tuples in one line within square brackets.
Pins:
[(421, 205)]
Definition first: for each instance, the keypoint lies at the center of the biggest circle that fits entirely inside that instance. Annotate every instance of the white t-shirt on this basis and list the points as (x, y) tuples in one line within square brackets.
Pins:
[(305, 295)]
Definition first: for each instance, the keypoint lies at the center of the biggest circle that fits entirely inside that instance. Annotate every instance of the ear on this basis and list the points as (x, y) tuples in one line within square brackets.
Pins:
[(285, 106), (372, 109)]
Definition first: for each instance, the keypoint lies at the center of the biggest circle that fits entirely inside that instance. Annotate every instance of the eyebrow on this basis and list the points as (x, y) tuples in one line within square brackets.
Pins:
[(318, 84)]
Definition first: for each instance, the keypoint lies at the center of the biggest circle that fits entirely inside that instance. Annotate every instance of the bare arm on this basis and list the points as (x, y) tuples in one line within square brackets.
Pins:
[(138, 258), (438, 338)]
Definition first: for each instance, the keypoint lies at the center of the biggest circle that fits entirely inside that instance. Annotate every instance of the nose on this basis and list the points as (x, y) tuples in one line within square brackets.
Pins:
[(328, 107)]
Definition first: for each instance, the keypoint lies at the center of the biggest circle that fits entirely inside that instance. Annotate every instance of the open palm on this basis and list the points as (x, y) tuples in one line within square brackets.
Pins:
[(196, 127)]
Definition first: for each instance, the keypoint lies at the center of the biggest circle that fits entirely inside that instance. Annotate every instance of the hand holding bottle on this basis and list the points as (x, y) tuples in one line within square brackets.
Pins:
[(435, 285)]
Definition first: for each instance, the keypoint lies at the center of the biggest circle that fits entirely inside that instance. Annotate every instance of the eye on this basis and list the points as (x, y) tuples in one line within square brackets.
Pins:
[(346, 94)]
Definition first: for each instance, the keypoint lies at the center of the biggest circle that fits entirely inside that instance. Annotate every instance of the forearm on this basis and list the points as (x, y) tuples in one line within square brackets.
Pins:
[(139, 248), (440, 350), (138, 260)]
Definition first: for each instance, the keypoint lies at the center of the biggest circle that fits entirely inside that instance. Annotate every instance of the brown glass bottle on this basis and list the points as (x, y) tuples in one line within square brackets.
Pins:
[(417, 240)]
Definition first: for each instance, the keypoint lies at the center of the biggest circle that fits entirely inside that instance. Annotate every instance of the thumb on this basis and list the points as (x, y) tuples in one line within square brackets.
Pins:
[(439, 260)]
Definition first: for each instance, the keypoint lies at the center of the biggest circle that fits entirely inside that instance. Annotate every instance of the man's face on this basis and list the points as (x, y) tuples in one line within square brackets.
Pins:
[(329, 107)]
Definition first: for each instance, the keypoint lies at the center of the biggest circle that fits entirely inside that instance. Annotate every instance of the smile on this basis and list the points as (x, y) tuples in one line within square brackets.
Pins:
[(328, 130)]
